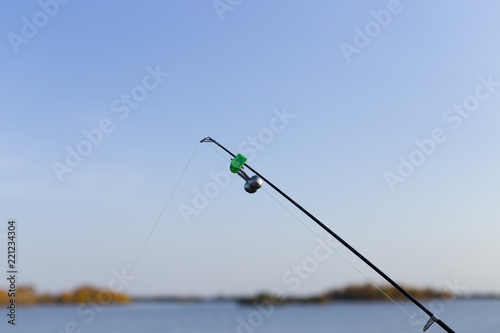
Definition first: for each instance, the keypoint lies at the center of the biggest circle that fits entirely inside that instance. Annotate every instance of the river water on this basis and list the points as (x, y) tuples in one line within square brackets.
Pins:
[(478, 316)]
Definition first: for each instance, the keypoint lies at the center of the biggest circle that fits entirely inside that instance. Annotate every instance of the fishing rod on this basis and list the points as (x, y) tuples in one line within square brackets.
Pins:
[(252, 184)]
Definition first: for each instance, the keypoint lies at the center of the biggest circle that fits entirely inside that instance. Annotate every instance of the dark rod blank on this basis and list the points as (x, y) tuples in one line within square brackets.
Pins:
[(347, 245)]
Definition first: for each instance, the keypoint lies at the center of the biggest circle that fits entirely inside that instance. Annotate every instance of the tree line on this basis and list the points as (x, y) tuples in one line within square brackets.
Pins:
[(83, 295)]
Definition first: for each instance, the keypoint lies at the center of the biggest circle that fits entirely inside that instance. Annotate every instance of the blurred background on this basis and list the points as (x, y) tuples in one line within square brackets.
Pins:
[(379, 117)]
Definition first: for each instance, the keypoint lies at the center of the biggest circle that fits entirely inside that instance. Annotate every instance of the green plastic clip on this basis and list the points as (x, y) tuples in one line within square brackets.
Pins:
[(237, 163)]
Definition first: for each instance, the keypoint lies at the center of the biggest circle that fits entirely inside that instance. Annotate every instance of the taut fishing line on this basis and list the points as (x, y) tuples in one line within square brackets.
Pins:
[(347, 261), (163, 210), (331, 247)]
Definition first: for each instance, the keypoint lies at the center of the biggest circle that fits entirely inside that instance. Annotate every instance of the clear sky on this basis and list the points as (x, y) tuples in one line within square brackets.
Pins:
[(382, 118)]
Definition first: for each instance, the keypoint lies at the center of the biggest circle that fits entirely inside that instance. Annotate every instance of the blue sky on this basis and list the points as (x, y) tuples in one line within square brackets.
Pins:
[(351, 120)]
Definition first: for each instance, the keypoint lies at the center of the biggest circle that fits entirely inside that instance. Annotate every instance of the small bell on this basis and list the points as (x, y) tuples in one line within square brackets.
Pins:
[(253, 184)]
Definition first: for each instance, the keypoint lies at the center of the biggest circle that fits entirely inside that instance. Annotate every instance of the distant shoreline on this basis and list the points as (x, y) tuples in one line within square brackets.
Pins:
[(238, 300), (352, 293)]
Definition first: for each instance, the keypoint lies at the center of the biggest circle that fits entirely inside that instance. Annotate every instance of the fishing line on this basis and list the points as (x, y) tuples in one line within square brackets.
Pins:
[(218, 152), (163, 210), (346, 260), (337, 252)]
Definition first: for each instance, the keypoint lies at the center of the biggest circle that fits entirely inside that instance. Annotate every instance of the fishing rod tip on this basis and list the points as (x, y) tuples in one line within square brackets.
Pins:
[(207, 139)]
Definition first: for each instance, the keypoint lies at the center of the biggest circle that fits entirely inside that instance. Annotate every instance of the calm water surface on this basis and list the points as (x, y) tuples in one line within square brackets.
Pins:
[(478, 316)]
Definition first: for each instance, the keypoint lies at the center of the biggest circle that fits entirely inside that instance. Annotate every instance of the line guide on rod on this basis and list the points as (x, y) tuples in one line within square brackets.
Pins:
[(252, 184)]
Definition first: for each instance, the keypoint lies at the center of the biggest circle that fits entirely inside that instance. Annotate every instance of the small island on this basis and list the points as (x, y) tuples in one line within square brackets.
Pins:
[(362, 292), (83, 295)]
